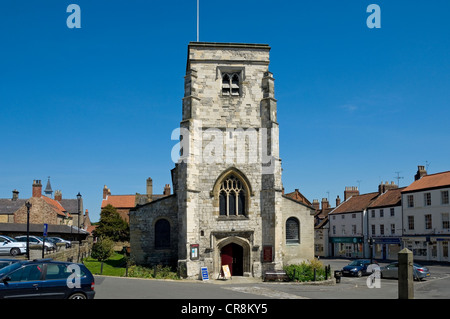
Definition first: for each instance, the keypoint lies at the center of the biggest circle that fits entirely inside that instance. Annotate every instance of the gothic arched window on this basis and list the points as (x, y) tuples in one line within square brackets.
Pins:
[(292, 231), (162, 234), (230, 84), (232, 197)]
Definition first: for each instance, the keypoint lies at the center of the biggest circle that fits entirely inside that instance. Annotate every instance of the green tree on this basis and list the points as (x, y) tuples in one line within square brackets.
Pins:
[(102, 250), (112, 225)]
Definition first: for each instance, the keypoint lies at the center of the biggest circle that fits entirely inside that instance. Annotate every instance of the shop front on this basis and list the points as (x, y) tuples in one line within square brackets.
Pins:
[(386, 247), (429, 248), (349, 247)]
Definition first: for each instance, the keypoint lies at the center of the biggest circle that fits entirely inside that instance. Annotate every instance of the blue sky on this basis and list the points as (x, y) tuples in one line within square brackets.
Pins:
[(96, 106)]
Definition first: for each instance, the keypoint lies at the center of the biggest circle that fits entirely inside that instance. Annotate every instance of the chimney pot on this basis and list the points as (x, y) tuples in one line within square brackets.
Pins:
[(325, 203), (167, 190), (338, 201), (106, 192), (58, 195), (421, 172), (37, 188), (316, 204), (15, 195), (350, 191)]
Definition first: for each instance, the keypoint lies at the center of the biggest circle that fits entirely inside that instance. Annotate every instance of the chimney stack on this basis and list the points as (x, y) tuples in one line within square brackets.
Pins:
[(167, 190), (15, 195), (325, 203), (58, 195), (338, 201), (421, 172), (316, 204), (106, 192), (37, 188), (149, 187), (383, 188), (350, 191)]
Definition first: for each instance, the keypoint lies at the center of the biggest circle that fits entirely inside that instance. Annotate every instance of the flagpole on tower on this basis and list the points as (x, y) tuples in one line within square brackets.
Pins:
[(198, 20)]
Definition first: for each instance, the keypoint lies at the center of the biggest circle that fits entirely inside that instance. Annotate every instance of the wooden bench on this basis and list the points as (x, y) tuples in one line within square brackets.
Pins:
[(275, 275)]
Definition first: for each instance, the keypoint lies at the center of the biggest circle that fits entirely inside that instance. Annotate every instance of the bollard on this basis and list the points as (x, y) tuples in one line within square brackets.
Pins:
[(405, 274), (338, 275)]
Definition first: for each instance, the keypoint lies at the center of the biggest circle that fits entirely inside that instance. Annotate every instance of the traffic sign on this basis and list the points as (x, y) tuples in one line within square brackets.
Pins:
[(205, 275)]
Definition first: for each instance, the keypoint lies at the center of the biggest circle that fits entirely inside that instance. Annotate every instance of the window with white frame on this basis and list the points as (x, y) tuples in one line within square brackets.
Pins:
[(428, 221), (444, 197), (392, 229), (392, 212), (381, 213), (445, 221), (411, 222), (353, 229), (410, 200), (381, 229), (427, 199)]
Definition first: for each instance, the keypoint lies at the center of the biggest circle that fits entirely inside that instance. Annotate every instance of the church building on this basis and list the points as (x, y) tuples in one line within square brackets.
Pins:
[(227, 205)]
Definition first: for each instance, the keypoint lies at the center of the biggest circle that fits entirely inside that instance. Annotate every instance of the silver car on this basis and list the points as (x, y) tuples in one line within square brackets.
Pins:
[(391, 271), (35, 240), (11, 246)]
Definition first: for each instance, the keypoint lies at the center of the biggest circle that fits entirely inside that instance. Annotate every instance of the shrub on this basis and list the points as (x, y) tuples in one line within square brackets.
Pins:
[(305, 271), (157, 272)]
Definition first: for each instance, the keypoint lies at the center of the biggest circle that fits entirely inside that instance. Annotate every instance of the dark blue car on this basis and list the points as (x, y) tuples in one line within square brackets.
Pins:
[(357, 268), (45, 279), (7, 261)]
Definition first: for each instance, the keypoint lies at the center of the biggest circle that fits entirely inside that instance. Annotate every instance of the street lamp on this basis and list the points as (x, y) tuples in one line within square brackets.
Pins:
[(28, 205), (371, 249), (79, 213)]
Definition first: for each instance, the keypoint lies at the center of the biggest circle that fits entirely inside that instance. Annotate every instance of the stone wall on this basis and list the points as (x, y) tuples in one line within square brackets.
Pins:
[(142, 225), (238, 123), (73, 254), (304, 250), (40, 213)]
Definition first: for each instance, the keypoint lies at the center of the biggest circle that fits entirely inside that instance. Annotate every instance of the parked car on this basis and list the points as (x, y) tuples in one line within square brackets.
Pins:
[(35, 240), (391, 271), (6, 262), (44, 279), (357, 267), (56, 240), (11, 246)]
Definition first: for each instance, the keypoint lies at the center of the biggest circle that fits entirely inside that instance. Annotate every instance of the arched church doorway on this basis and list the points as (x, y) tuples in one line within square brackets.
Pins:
[(233, 256)]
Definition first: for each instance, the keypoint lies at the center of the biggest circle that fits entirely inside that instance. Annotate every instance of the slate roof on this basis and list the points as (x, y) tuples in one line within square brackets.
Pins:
[(9, 206), (38, 228), (48, 188), (71, 205)]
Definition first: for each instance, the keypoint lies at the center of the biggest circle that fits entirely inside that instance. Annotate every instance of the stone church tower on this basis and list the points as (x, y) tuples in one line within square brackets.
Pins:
[(228, 206)]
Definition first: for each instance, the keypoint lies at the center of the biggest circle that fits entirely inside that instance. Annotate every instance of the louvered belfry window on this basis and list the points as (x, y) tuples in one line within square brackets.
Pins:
[(232, 197), (230, 84), (292, 231)]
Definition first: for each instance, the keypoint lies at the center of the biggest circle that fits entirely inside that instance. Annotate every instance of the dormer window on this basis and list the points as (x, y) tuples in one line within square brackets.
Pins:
[(230, 84)]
